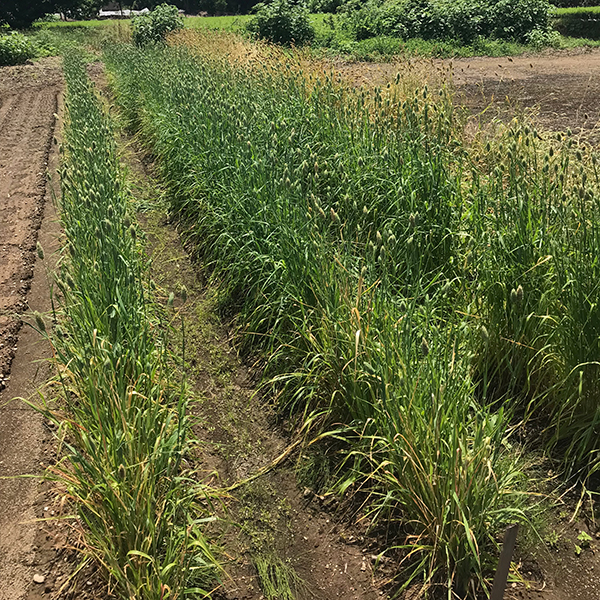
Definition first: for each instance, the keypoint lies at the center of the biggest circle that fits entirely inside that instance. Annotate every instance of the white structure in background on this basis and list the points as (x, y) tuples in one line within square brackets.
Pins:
[(113, 10), (125, 13)]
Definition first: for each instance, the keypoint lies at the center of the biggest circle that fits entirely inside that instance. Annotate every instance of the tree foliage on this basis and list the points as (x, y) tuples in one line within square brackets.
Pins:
[(19, 14), (282, 22)]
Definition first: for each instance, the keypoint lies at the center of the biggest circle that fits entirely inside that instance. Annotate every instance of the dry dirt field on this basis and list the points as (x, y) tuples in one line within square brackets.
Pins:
[(560, 89)]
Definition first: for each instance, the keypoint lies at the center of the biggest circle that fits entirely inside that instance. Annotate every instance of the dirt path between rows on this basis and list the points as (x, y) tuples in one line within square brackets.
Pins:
[(29, 100), (561, 89), (269, 520), (26, 126)]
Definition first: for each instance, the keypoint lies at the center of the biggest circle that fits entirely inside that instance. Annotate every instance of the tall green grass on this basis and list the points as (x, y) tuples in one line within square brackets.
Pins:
[(124, 424), (418, 294)]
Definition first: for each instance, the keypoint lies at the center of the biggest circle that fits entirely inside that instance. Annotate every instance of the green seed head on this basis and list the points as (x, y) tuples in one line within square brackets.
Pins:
[(171, 300), (485, 336), (183, 294), (520, 294), (40, 250), (424, 347), (40, 322)]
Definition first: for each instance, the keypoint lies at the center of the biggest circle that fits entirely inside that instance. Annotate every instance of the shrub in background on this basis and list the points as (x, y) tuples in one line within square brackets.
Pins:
[(15, 49), (578, 22), (324, 6), (282, 22), (465, 20), (516, 19), (153, 27)]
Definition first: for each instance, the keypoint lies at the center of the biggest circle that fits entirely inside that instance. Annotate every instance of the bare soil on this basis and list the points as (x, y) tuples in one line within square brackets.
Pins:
[(29, 100), (559, 89), (27, 124)]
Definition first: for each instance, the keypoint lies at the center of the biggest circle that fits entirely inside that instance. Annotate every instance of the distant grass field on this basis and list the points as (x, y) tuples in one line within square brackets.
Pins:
[(90, 23), (575, 10), (237, 22), (228, 23)]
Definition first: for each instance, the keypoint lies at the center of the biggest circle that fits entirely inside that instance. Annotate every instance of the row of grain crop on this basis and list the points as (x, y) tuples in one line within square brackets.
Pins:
[(123, 423), (419, 294)]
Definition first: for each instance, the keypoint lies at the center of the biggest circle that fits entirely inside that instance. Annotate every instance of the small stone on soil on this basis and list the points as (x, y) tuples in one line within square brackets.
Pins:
[(37, 578)]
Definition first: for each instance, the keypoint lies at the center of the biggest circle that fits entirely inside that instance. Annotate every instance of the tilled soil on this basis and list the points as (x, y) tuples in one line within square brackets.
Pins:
[(561, 91), (29, 99), (26, 126)]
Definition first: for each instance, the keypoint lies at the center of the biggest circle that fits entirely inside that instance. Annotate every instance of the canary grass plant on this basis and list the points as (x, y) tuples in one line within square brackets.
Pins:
[(414, 293), (123, 423)]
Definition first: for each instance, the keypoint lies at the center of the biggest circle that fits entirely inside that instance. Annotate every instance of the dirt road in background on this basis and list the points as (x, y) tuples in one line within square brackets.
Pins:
[(562, 90)]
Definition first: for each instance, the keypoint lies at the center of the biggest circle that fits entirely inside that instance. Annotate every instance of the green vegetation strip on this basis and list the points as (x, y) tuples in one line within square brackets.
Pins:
[(574, 10), (124, 425)]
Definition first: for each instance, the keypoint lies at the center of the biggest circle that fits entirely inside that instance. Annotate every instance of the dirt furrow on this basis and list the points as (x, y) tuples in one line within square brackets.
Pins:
[(6, 106), (27, 124), (27, 129)]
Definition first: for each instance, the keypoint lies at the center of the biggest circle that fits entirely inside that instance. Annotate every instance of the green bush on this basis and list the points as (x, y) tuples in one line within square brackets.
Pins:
[(153, 27), (15, 49), (516, 19), (324, 6), (282, 22), (465, 20), (539, 39)]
